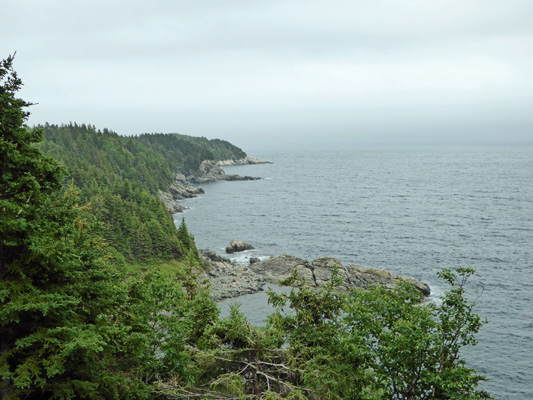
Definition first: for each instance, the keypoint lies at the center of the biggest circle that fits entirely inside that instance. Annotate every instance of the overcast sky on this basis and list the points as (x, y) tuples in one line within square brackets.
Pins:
[(257, 71)]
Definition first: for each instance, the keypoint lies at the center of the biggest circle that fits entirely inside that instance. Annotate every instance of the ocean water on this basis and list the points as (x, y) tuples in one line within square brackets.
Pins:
[(410, 210)]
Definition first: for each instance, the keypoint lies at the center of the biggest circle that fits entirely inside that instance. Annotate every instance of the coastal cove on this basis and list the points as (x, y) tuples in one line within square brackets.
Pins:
[(412, 211)]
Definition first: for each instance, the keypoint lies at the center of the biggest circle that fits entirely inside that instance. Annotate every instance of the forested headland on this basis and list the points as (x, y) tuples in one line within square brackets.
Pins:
[(120, 178), (78, 322)]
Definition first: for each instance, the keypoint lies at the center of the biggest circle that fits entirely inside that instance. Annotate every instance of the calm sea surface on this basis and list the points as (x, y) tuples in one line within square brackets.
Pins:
[(412, 211)]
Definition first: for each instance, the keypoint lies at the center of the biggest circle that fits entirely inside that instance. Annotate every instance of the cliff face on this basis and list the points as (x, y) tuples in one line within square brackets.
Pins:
[(209, 171), (180, 189)]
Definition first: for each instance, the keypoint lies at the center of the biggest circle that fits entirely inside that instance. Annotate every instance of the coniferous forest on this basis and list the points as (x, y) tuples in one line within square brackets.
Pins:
[(79, 207), (120, 178)]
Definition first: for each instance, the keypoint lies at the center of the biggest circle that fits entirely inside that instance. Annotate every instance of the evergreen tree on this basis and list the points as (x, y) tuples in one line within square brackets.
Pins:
[(56, 292), (183, 234)]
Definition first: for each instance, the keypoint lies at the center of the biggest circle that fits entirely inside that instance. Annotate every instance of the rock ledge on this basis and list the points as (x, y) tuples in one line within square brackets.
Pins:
[(232, 280), (210, 171)]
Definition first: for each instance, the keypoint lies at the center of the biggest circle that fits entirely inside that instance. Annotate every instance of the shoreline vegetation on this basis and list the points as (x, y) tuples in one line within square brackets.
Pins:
[(103, 297)]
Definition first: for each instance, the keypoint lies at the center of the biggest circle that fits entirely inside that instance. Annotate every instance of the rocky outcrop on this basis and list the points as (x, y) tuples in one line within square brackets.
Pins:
[(180, 189), (211, 255), (319, 271), (248, 160), (170, 203), (363, 278), (236, 246), (212, 171), (278, 268), (228, 280)]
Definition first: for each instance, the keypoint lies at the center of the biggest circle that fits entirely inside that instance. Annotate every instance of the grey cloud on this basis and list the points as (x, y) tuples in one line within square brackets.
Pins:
[(243, 68)]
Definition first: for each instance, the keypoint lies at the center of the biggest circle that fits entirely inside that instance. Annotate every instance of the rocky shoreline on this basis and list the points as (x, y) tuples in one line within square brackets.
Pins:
[(209, 171), (229, 280)]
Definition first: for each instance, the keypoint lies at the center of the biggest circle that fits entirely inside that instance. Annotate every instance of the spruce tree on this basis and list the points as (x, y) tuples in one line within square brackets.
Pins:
[(56, 292)]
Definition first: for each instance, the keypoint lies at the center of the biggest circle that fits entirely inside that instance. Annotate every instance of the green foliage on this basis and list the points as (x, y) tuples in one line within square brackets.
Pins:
[(56, 286), (325, 344), (412, 349), (230, 383), (121, 178), (188, 152), (330, 365), (103, 158), (156, 316), (236, 360)]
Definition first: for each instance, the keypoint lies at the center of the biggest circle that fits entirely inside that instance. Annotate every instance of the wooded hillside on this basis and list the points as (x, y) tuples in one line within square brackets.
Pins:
[(120, 178)]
